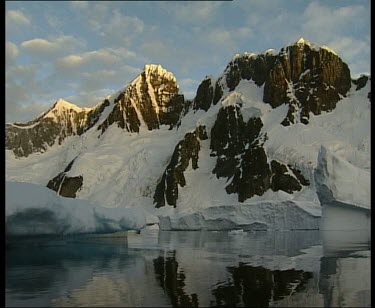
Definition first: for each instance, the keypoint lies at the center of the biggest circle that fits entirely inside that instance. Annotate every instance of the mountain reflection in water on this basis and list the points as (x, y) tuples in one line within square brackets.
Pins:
[(195, 269)]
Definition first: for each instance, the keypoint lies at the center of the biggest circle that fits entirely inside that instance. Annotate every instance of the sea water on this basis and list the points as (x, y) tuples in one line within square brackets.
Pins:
[(193, 269)]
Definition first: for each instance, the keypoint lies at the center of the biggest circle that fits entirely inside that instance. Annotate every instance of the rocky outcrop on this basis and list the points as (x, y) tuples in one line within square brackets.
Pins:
[(152, 98), (241, 157), (361, 82), (64, 185), (308, 78), (317, 77), (186, 151), (59, 122), (205, 95)]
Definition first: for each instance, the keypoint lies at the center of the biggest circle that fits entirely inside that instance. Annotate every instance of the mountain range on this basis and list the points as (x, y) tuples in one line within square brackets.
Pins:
[(251, 134)]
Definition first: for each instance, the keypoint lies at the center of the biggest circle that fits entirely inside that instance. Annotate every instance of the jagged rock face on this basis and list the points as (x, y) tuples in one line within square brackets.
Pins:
[(242, 159), (59, 122), (240, 156), (66, 186), (186, 150), (205, 95), (151, 98), (248, 67), (361, 82), (25, 141), (281, 180), (307, 78), (208, 93)]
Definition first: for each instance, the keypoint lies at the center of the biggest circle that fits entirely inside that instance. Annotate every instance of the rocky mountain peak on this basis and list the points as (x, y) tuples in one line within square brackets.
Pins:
[(306, 76), (151, 99), (62, 120), (156, 70), (302, 41), (62, 108)]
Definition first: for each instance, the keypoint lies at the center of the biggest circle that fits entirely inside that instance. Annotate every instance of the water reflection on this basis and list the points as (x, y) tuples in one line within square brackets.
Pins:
[(195, 269), (257, 286), (172, 280)]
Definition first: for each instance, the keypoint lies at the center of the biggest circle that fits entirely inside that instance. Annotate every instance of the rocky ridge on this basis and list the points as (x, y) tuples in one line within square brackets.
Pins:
[(305, 78), (62, 120)]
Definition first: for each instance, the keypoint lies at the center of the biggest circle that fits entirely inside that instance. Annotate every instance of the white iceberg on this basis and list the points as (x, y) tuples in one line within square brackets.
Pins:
[(262, 215), (344, 193), (32, 210)]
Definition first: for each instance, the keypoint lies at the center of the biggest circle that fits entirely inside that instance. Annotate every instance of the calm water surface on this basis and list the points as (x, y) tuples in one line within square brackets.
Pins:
[(255, 269)]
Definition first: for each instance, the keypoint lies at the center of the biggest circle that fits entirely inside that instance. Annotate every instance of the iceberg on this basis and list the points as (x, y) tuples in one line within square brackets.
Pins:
[(256, 216), (344, 193), (34, 210)]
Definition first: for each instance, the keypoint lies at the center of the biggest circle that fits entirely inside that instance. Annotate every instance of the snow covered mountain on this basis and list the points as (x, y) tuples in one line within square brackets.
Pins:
[(249, 136)]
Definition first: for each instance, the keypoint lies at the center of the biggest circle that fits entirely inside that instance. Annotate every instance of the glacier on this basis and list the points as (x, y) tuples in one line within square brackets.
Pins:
[(344, 193), (257, 216)]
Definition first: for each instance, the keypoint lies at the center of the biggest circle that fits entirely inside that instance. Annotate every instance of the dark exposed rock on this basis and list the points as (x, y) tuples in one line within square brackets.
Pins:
[(240, 156), (242, 159), (298, 174), (123, 109), (360, 82), (306, 77), (280, 180), (249, 67), (175, 107), (154, 94), (318, 76), (66, 186), (204, 96), (218, 93), (185, 151), (25, 141), (70, 186), (276, 87), (39, 134)]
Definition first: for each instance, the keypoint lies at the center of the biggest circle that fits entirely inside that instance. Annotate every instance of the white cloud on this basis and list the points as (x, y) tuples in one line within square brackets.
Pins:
[(354, 52), (21, 87), (54, 21), (89, 99), (94, 60), (11, 52), (120, 29), (15, 18), (323, 22), (42, 48), (105, 78), (157, 49)]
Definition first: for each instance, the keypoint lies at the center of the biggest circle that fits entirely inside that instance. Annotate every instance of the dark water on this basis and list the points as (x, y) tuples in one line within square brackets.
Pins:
[(218, 269)]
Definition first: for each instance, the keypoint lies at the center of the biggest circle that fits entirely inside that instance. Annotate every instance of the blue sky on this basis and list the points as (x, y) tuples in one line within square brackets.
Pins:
[(83, 51)]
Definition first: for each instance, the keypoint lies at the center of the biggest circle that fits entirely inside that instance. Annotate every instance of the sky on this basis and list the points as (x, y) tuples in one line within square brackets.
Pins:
[(83, 51)]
